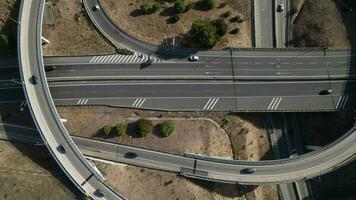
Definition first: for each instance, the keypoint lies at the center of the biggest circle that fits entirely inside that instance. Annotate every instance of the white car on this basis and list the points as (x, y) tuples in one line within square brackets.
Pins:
[(193, 58), (280, 7), (96, 7)]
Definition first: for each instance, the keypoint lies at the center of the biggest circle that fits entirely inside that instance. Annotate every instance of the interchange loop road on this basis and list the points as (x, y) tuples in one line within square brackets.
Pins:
[(88, 179)]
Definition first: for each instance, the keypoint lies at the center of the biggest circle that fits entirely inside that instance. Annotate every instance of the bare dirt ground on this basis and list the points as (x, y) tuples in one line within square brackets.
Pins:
[(137, 183), (246, 134), (28, 173), (67, 26), (191, 135), (319, 23), (154, 28), (8, 13)]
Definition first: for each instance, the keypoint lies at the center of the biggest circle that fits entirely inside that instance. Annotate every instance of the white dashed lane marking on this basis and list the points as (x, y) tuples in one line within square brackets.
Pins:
[(138, 102), (342, 102), (211, 103), (82, 101), (275, 103)]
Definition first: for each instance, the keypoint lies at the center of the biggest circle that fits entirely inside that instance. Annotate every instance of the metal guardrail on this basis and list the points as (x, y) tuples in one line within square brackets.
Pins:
[(53, 111)]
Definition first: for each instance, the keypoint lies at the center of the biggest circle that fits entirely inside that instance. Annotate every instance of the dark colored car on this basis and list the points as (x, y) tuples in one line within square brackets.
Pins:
[(99, 193), (325, 92), (130, 155), (34, 80), (248, 171), (61, 149), (49, 68)]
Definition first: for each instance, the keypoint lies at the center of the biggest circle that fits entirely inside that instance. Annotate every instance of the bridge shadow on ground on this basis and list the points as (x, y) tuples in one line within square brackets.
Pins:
[(8, 33), (37, 154)]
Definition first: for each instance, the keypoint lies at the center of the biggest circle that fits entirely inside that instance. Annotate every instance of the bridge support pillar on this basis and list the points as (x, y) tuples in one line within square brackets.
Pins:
[(44, 40)]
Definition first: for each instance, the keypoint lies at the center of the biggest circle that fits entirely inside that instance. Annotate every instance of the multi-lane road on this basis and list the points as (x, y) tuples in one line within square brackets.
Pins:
[(87, 179), (265, 81)]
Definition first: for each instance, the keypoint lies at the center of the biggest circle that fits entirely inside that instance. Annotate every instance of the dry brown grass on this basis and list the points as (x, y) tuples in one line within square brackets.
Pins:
[(27, 178), (319, 23), (137, 183), (71, 34), (246, 133), (8, 27), (191, 135), (154, 28)]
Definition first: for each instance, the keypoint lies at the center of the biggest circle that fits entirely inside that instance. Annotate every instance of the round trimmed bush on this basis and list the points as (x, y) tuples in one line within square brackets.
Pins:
[(107, 130), (145, 8), (227, 14), (175, 18), (204, 33), (179, 6), (167, 128), (235, 31), (120, 129), (144, 126), (209, 4), (221, 26), (156, 7)]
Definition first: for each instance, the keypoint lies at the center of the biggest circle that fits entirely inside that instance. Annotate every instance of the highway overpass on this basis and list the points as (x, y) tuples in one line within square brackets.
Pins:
[(79, 170), (213, 169)]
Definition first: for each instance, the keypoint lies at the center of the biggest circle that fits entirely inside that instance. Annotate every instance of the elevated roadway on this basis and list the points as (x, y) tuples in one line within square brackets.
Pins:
[(227, 171), (196, 166), (79, 170)]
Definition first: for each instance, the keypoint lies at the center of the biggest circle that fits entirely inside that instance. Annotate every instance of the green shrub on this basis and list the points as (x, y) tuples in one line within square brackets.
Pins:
[(235, 31), (226, 14), (4, 40), (144, 126), (156, 7), (189, 6), (167, 128), (209, 4), (107, 130), (179, 6), (237, 19), (222, 5), (175, 18), (224, 122), (204, 33), (145, 8), (120, 129), (221, 26)]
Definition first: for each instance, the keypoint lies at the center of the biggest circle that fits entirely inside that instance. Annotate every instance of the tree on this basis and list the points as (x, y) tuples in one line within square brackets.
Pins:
[(209, 4), (221, 26), (179, 6), (204, 33), (235, 31), (107, 130), (167, 127), (144, 126), (145, 8), (120, 129), (175, 18), (226, 14), (156, 7)]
